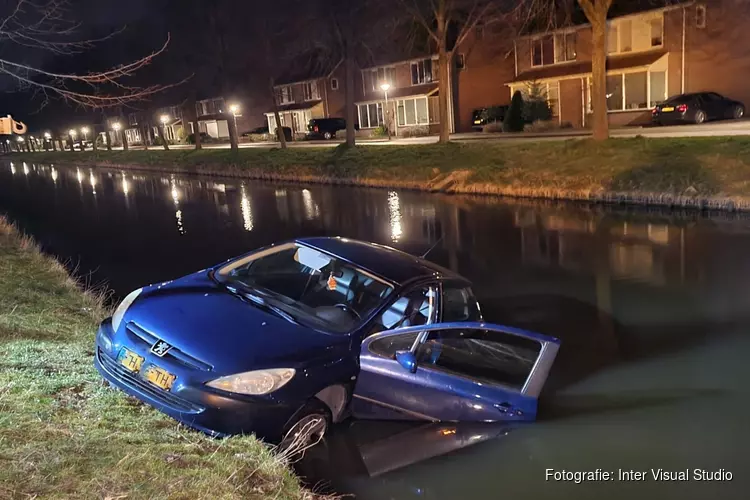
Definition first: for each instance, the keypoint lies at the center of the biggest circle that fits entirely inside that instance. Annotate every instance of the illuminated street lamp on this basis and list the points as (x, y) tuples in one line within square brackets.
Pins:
[(47, 135), (85, 131), (164, 119), (72, 133), (235, 109), (385, 86), (116, 126), (20, 139)]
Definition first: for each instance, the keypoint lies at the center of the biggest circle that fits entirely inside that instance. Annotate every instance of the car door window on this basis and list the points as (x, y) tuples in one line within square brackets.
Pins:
[(414, 308), (482, 355), (459, 304), (387, 346)]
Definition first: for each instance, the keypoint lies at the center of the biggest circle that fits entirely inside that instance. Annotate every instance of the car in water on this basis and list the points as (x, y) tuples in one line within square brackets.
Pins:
[(697, 108), (305, 333), (325, 128)]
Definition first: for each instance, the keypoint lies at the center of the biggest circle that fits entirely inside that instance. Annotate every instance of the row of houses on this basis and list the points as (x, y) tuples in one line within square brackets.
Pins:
[(652, 54)]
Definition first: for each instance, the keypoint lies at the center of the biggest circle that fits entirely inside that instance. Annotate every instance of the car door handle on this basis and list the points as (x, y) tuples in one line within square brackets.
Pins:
[(507, 409)]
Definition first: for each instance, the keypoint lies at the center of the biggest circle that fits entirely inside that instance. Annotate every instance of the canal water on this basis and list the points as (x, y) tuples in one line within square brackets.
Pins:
[(652, 308)]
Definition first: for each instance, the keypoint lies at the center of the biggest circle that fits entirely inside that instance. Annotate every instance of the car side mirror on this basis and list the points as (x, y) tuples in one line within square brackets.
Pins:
[(407, 359)]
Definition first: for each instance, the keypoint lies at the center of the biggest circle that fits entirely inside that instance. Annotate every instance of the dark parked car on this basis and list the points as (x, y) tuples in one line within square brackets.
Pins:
[(482, 116), (325, 127), (697, 108)]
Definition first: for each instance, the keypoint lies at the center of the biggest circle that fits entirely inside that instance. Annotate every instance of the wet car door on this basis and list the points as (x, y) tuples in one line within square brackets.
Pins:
[(453, 372)]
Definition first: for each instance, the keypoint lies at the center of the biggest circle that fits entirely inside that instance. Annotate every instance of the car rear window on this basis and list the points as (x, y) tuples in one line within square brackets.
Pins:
[(680, 99)]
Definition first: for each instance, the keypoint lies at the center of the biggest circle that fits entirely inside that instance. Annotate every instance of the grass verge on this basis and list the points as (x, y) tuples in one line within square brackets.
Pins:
[(63, 434), (712, 172)]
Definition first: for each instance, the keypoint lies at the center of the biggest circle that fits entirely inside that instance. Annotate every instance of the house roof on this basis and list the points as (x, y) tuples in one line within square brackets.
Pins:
[(297, 106), (614, 63), (309, 67)]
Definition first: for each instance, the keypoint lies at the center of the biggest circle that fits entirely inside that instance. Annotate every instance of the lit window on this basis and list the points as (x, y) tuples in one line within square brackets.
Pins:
[(626, 36), (422, 72), (700, 16), (310, 91), (285, 95), (657, 32), (658, 87), (565, 47)]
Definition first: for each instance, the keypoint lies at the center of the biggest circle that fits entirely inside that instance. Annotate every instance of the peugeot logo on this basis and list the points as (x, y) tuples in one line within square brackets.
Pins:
[(160, 348)]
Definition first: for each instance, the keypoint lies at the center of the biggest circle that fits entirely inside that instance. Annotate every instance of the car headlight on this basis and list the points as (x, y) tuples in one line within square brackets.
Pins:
[(255, 383), (123, 307)]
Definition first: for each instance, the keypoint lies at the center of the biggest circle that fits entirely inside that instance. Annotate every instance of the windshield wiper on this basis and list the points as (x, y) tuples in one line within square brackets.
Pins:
[(265, 304)]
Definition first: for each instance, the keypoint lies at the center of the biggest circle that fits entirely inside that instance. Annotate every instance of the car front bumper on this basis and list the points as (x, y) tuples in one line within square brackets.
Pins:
[(200, 408)]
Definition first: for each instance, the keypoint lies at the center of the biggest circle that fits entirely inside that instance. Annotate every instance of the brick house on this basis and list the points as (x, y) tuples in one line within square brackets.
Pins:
[(652, 55), (317, 92)]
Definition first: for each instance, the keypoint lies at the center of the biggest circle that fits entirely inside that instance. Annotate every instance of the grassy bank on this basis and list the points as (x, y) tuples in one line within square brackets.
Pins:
[(64, 435), (713, 172)]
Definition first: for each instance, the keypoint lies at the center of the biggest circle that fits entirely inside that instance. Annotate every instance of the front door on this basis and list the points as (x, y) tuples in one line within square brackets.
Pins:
[(464, 372)]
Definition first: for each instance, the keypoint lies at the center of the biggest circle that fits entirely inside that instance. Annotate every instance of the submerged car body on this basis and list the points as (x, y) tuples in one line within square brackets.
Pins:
[(320, 327)]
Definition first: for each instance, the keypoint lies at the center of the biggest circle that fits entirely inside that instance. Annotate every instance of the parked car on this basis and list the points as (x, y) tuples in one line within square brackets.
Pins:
[(325, 127), (482, 116), (205, 138), (696, 108), (307, 332)]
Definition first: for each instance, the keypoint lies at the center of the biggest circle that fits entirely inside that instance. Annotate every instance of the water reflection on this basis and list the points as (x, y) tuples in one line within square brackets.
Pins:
[(651, 307)]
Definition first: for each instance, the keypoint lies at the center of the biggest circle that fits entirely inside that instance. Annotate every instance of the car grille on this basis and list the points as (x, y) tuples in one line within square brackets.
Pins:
[(139, 334), (131, 380)]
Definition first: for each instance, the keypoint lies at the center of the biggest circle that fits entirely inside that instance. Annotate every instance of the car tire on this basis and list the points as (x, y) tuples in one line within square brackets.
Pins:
[(700, 117), (738, 112), (314, 417), (327, 136)]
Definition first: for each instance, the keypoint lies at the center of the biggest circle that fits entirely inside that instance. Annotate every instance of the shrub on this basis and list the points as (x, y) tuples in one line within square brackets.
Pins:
[(380, 131), (205, 138), (417, 131), (514, 119)]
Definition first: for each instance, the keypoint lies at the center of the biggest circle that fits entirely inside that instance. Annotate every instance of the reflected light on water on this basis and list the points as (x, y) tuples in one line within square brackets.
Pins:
[(178, 213), (25, 169), (54, 175), (312, 210), (125, 185), (12, 168), (247, 210), (394, 209), (79, 176)]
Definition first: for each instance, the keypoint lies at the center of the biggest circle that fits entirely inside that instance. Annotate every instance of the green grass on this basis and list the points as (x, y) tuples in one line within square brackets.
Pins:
[(63, 434), (716, 169)]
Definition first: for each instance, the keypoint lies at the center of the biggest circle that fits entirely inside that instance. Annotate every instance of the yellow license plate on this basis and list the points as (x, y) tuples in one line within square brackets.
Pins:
[(160, 377), (130, 360), (667, 109)]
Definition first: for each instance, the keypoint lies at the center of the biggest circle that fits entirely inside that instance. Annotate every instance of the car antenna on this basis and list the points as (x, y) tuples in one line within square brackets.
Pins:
[(424, 255)]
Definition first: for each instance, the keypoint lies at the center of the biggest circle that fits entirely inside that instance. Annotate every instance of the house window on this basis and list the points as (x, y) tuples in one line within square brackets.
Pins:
[(614, 92), (285, 95), (543, 51), (553, 98), (636, 90), (565, 47), (460, 61), (334, 83), (370, 115), (612, 39), (658, 84), (310, 91), (413, 111), (700, 16), (421, 72), (374, 78), (657, 32), (626, 36)]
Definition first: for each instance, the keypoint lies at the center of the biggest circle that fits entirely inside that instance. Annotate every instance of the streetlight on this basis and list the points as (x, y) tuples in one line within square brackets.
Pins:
[(72, 133), (85, 131), (116, 126), (47, 135), (164, 119), (385, 86)]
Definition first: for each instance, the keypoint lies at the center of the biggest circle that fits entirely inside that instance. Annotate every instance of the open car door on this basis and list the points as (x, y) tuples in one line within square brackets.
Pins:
[(453, 372)]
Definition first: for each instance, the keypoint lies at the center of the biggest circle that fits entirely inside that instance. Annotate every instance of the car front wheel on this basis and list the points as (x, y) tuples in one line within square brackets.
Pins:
[(306, 428), (327, 135), (738, 112), (700, 117)]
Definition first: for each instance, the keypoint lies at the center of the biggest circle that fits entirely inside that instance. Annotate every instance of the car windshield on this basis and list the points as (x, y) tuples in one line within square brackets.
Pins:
[(311, 287)]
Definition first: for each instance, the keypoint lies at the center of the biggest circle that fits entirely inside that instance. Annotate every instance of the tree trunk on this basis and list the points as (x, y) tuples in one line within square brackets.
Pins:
[(192, 116), (52, 140), (96, 136), (349, 91), (443, 83), (108, 140), (599, 76), (277, 118), (145, 136), (124, 140), (163, 134), (233, 140)]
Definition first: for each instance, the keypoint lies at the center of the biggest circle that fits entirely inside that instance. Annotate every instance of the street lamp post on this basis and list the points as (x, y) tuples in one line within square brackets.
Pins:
[(85, 132), (72, 135), (235, 109), (47, 141), (116, 127), (164, 119), (386, 86)]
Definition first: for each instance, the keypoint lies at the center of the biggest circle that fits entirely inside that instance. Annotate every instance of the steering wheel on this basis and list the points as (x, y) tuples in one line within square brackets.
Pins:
[(346, 308)]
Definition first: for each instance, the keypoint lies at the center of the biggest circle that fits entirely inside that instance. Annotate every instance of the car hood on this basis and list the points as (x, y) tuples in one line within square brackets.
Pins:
[(202, 319)]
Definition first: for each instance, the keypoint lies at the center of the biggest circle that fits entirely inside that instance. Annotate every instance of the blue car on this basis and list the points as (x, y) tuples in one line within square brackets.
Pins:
[(305, 333)]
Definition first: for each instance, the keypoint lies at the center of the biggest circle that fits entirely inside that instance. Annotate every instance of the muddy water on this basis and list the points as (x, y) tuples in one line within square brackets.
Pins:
[(652, 308)]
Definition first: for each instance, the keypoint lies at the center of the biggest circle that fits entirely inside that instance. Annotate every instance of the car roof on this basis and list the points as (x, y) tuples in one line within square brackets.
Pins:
[(386, 262)]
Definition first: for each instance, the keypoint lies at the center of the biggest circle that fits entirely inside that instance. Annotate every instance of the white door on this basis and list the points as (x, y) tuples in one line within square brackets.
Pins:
[(212, 129)]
